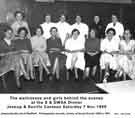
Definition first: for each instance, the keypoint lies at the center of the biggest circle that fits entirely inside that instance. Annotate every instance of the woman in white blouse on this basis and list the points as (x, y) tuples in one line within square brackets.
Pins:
[(109, 46), (40, 57), (75, 56)]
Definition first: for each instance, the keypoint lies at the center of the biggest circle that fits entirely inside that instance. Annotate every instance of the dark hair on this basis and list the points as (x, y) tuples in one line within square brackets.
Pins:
[(47, 14), (131, 33), (53, 28), (19, 12), (7, 28), (22, 28), (111, 29), (75, 30), (62, 15), (39, 27)]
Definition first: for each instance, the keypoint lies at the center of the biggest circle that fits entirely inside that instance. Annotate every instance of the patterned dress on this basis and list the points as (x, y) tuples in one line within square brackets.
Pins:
[(39, 55), (127, 62)]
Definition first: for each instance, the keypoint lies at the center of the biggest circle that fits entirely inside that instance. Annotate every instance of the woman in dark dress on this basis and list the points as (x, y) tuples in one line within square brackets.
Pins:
[(92, 55), (23, 44), (54, 47)]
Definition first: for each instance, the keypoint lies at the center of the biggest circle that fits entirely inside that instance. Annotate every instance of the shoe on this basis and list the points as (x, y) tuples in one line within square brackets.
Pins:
[(106, 76)]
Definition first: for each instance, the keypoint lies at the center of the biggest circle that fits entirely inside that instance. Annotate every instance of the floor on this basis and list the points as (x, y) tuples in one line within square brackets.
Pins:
[(52, 86)]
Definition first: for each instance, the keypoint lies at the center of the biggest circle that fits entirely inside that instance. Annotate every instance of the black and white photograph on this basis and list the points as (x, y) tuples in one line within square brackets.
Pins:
[(61, 47)]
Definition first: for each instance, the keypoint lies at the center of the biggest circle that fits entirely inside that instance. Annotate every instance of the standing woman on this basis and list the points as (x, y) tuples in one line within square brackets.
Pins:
[(92, 55), (39, 55), (126, 60), (54, 47), (20, 22), (23, 45), (75, 56)]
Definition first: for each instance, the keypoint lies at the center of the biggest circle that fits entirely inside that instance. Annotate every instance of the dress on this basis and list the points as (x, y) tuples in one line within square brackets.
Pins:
[(107, 58), (126, 62), (9, 59), (73, 45), (39, 55), (92, 45), (55, 43), (25, 48)]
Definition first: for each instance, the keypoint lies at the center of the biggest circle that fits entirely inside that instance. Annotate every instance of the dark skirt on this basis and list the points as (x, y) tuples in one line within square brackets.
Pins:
[(92, 60)]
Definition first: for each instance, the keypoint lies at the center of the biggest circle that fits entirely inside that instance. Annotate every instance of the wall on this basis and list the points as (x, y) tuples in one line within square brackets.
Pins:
[(10, 6)]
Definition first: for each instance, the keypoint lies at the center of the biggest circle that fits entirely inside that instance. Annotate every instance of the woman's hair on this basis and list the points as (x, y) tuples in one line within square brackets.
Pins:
[(7, 28), (111, 29), (75, 30), (22, 28), (41, 29), (53, 28), (19, 12)]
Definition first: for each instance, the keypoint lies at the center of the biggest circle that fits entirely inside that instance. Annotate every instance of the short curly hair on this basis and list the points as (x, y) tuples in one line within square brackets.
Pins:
[(24, 29)]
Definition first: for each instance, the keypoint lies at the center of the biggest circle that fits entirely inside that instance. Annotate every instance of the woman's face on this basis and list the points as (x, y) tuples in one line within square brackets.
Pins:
[(54, 32), (75, 35), (48, 18), (19, 17), (96, 19), (92, 34), (114, 19), (110, 35), (38, 32), (127, 34), (9, 34), (78, 19), (22, 34)]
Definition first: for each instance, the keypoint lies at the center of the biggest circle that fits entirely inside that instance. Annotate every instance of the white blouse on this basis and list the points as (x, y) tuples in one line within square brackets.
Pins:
[(110, 45)]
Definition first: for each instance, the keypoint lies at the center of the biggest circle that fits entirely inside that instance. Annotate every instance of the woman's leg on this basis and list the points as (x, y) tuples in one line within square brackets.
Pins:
[(40, 73), (17, 75), (94, 69), (86, 72), (107, 74), (30, 66), (44, 65), (76, 73), (57, 70), (67, 74)]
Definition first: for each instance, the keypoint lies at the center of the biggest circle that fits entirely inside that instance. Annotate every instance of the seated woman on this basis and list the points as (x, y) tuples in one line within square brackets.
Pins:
[(75, 56), (54, 47), (126, 58), (39, 55), (92, 55), (9, 59), (109, 48), (23, 45)]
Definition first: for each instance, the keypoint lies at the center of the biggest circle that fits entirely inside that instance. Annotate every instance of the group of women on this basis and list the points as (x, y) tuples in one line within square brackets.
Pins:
[(74, 47)]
